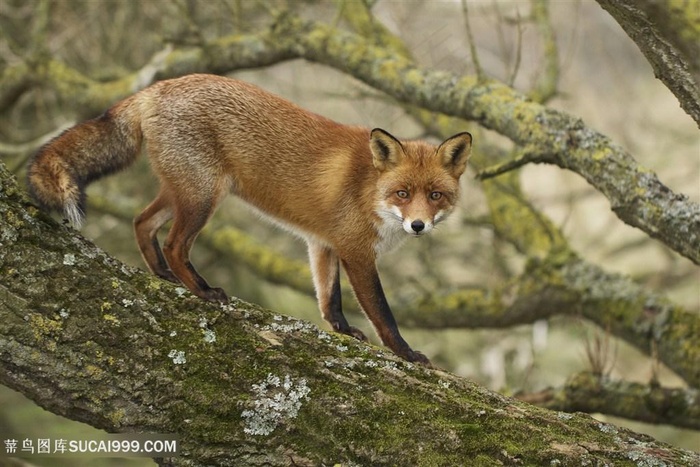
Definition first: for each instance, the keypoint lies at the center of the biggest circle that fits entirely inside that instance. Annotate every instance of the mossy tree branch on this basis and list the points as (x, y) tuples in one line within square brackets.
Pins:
[(91, 339)]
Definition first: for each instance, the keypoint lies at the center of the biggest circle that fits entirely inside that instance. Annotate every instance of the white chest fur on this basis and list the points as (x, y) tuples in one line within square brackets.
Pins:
[(391, 235)]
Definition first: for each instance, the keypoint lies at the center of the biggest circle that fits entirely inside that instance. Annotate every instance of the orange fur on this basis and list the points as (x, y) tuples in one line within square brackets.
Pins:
[(348, 191)]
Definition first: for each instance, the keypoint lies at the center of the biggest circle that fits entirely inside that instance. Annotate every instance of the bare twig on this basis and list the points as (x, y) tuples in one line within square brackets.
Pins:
[(40, 27), (472, 44), (525, 156), (598, 354), (518, 49), (546, 86)]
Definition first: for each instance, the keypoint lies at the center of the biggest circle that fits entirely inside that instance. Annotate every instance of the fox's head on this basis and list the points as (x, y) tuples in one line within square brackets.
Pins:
[(418, 183)]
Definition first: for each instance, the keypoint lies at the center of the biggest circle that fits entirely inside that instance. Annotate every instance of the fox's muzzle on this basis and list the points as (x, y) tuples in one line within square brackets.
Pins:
[(416, 226)]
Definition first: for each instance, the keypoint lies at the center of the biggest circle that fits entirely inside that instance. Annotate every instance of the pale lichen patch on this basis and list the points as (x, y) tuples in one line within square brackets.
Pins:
[(209, 336), (275, 401), (178, 356)]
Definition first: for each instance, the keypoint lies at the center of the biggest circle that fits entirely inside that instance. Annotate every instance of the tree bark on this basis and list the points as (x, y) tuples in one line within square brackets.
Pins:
[(668, 35), (91, 339)]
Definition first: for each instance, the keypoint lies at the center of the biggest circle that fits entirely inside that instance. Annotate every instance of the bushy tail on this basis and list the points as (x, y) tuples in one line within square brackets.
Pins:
[(62, 169)]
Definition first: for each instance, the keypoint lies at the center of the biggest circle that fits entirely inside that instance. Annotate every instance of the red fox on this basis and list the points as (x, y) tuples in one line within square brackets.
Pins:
[(349, 192)]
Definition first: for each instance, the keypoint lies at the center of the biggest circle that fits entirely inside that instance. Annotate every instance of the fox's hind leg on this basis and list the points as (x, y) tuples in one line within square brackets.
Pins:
[(326, 275), (146, 227), (191, 212)]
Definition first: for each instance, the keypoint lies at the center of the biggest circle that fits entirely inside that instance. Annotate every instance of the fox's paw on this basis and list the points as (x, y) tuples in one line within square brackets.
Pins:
[(416, 357), (215, 294), (357, 334), (169, 276), (350, 331)]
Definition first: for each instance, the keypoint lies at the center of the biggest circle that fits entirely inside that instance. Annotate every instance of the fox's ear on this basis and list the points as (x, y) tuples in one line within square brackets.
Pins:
[(454, 153), (386, 150)]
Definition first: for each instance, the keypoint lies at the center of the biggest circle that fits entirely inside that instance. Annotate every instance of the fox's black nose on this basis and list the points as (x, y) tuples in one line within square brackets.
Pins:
[(417, 226)]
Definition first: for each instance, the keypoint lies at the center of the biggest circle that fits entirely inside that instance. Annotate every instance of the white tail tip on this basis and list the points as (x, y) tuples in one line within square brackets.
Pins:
[(74, 214)]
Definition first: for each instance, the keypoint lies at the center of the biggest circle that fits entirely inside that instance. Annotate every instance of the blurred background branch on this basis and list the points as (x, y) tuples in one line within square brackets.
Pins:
[(590, 393), (668, 35)]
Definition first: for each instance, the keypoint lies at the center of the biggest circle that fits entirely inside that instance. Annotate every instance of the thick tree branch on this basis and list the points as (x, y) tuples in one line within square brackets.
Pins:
[(586, 392), (91, 339)]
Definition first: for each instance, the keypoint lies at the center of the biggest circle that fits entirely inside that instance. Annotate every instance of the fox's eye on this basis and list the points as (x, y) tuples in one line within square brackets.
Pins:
[(435, 195), (403, 194)]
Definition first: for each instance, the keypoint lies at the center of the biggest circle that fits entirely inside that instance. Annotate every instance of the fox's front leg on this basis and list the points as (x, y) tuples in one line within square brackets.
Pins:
[(365, 282), (326, 276)]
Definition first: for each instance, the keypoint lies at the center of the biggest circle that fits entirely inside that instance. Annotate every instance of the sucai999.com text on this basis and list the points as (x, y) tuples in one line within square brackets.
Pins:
[(119, 445)]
